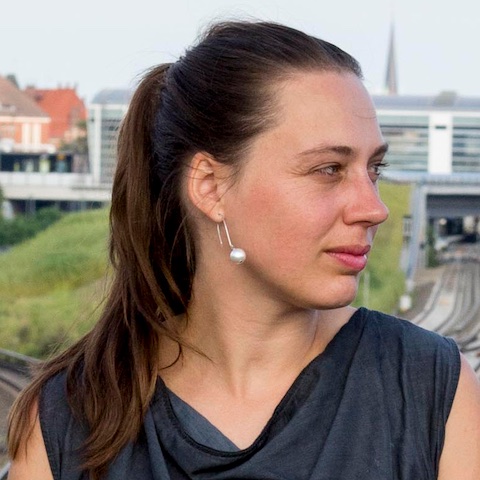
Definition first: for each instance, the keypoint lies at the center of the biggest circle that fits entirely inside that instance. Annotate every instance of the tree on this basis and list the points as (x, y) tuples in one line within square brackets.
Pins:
[(23, 227), (79, 145)]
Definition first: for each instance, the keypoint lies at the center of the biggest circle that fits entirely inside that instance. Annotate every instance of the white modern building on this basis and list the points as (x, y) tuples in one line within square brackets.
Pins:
[(431, 134), (105, 114)]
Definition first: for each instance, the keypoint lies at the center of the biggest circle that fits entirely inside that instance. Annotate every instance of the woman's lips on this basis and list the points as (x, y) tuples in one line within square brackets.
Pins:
[(353, 257)]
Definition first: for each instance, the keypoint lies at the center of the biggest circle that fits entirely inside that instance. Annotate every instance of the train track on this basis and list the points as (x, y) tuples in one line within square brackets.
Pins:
[(453, 308)]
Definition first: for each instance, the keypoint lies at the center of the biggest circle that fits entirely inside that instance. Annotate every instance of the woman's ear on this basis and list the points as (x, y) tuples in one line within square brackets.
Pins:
[(206, 183)]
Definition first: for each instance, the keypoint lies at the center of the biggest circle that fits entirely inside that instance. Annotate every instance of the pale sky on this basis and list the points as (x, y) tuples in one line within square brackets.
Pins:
[(108, 43)]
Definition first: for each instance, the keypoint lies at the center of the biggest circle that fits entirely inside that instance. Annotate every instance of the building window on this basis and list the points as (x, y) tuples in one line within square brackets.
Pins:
[(466, 144), (407, 136)]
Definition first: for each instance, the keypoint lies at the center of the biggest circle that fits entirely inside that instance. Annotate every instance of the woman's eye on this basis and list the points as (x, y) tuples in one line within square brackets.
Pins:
[(377, 168), (329, 170)]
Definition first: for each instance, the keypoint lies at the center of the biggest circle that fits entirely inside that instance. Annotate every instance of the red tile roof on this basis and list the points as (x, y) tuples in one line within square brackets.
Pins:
[(63, 105), (14, 102)]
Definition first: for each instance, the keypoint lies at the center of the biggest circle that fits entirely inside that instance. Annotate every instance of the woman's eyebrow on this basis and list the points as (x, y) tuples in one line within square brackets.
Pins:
[(381, 150), (343, 150), (339, 149)]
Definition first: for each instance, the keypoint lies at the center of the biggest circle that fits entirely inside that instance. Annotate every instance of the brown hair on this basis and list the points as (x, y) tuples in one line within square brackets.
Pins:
[(216, 99)]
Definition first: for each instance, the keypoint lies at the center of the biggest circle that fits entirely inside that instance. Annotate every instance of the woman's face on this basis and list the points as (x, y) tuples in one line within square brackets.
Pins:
[(306, 207)]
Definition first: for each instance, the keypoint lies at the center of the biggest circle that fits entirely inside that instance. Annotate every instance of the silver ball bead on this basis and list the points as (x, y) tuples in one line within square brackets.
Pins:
[(237, 255)]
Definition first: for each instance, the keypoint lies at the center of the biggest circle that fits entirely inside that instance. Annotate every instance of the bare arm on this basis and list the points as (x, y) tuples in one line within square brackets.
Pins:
[(31, 462), (460, 459)]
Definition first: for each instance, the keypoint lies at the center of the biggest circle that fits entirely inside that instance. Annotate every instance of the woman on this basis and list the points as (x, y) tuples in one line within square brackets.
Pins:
[(244, 207)]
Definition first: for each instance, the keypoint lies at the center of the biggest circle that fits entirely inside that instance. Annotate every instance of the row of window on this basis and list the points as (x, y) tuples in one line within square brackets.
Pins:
[(408, 137)]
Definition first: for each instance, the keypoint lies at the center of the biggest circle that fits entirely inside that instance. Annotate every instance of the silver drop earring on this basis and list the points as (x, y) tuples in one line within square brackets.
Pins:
[(237, 255)]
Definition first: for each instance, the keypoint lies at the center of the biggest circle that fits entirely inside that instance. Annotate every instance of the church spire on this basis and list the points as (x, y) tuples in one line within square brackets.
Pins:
[(391, 85)]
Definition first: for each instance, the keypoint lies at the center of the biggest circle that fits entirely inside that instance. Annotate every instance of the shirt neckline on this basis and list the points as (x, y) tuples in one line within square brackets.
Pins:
[(297, 393)]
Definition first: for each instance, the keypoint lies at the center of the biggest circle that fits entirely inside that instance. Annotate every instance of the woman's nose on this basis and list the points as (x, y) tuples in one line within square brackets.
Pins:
[(365, 204)]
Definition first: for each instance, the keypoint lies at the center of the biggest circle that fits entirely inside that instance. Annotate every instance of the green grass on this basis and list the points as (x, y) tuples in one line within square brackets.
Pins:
[(69, 254), (51, 285)]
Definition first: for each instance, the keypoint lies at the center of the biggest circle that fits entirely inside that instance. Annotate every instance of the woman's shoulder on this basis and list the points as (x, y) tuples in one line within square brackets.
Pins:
[(425, 363), (413, 349), (53, 399), (63, 431), (53, 408), (392, 330)]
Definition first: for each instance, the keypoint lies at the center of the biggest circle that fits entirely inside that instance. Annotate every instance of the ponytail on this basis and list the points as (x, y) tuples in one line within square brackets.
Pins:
[(112, 371)]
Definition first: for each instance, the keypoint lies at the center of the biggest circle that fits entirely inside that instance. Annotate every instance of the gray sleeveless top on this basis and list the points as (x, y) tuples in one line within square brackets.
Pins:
[(372, 406)]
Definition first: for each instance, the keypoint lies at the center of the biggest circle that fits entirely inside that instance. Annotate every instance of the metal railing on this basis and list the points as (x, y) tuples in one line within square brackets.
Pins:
[(17, 363), (4, 471)]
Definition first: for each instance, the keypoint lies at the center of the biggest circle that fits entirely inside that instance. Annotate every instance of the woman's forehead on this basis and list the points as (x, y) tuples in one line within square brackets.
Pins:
[(324, 92), (323, 107)]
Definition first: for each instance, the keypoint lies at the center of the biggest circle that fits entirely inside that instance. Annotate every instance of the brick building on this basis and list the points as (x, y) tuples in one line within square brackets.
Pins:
[(24, 126), (66, 110)]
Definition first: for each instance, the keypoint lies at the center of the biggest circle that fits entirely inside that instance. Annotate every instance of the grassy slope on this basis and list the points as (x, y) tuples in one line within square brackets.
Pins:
[(386, 279), (50, 285)]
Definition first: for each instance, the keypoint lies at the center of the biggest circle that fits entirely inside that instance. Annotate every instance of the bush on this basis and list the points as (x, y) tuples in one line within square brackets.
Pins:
[(23, 227), (2, 199)]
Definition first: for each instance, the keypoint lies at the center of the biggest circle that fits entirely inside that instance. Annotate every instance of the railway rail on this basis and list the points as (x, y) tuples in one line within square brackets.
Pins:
[(453, 308)]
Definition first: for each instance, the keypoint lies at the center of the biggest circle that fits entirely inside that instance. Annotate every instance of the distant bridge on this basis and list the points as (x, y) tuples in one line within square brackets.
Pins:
[(32, 187), (450, 201)]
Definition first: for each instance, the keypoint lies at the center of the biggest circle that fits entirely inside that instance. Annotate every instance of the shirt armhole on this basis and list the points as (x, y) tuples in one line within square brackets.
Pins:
[(47, 420)]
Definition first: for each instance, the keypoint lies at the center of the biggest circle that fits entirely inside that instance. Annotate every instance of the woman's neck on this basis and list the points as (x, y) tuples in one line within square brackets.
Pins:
[(247, 343)]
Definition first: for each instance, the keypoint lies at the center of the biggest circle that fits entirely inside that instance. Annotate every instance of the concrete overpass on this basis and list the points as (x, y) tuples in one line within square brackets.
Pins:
[(450, 201), (52, 187)]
